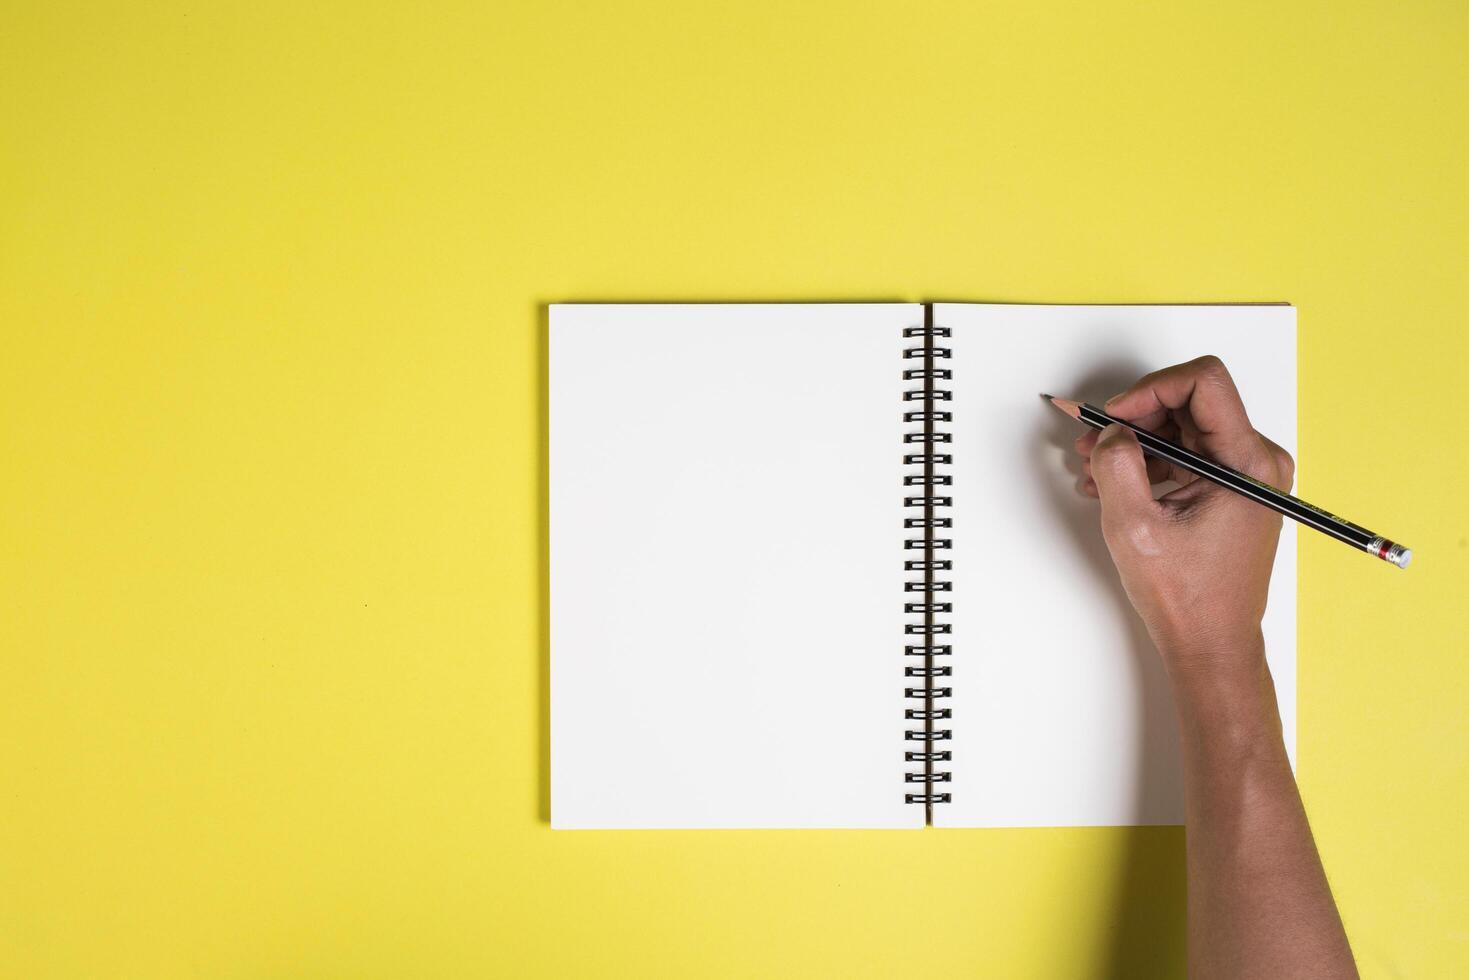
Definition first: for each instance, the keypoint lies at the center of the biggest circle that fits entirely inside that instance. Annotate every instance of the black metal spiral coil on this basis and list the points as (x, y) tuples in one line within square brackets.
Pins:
[(929, 604)]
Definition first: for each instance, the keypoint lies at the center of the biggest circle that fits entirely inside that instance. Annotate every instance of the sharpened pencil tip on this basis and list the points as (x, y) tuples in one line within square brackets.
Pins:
[(1045, 396), (1066, 405)]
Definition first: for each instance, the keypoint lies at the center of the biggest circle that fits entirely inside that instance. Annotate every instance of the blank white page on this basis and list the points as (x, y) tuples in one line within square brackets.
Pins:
[(726, 566), (1062, 714)]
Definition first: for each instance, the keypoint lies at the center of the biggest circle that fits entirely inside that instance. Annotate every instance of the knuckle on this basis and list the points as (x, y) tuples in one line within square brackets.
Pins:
[(1112, 444), (1286, 464), (1211, 370), (1106, 453), (1129, 532)]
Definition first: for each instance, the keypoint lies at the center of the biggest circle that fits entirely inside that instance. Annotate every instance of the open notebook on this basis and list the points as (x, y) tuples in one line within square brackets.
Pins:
[(746, 622)]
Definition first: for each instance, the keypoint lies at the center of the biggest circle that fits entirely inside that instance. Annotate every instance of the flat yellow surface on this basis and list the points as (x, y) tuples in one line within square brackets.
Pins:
[(272, 579)]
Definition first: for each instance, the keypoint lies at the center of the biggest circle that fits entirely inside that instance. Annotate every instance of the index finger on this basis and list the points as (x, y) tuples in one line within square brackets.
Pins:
[(1203, 387)]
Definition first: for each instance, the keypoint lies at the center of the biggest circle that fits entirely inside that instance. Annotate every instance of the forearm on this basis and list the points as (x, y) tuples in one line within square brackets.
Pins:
[(1259, 904), (1196, 564)]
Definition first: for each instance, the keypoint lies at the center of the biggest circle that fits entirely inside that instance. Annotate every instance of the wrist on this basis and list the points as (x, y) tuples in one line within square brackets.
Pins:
[(1235, 650), (1225, 696)]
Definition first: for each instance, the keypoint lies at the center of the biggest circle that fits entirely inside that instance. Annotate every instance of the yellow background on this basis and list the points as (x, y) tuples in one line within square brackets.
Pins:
[(272, 576)]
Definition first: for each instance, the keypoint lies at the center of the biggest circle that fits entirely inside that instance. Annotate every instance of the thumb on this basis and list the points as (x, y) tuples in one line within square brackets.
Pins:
[(1121, 476)]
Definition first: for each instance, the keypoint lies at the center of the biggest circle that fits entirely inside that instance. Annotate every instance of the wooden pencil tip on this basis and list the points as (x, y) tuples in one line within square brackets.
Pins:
[(1066, 405)]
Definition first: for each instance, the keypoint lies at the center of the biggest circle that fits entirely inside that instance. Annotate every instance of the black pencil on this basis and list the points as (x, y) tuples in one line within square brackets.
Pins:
[(1277, 500)]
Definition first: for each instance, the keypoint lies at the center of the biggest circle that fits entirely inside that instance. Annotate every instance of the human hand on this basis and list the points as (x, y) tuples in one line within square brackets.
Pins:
[(1195, 562)]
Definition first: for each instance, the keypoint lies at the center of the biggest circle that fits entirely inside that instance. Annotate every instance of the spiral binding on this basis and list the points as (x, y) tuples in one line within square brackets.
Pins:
[(930, 602)]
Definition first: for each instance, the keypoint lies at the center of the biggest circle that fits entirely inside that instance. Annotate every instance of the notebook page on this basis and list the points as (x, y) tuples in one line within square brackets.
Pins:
[(1062, 714), (726, 566)]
